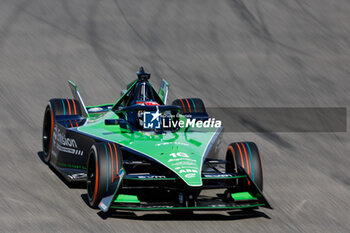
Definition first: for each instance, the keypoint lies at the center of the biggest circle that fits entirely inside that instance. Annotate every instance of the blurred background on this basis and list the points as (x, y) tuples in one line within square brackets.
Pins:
[(230, 53)]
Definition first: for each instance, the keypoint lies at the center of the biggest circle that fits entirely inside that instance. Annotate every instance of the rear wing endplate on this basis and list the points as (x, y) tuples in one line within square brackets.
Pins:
[(78, 98), (163, 91)]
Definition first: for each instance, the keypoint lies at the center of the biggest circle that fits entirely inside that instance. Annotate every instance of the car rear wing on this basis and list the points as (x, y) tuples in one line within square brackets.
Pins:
[(77, 97)]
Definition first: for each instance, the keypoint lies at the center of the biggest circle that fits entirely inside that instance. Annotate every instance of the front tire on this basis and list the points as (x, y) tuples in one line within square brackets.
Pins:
[(103, 166), (245, 155)]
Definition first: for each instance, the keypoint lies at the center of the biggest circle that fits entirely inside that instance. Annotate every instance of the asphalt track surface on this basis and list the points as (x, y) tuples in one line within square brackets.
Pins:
[(230, 53)]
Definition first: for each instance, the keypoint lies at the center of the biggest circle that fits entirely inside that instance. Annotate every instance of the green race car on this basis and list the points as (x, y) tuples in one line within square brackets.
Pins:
[(142, 154)]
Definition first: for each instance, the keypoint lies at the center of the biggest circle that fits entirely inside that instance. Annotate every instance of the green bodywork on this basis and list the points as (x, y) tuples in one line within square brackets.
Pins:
[(188, 208), (243, 196), (182, 152), (124, 198)]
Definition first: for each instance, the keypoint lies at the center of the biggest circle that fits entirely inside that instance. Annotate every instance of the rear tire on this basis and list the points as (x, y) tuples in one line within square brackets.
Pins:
[(65, 107), (245, 155), (48, 124), (104, 163), (190, 105), (54, 108)]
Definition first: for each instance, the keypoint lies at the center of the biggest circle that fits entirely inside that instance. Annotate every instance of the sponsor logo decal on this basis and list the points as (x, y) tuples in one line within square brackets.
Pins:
[(183, 163), (218, 205), (75, 166), (60, 137), (64, 144), (188, 170), (77, 176), (151, 177), (181, 159), (217, 175), (172, 143), (160, 206), (190, 175)]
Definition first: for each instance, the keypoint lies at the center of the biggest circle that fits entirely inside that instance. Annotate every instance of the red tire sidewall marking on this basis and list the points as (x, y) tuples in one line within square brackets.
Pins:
[(70, 113), (189, 108), (246, 157), (183, 105), (110, 150), (52, 124), (96, 178), (240, 152), (242, 159), (116, 159)]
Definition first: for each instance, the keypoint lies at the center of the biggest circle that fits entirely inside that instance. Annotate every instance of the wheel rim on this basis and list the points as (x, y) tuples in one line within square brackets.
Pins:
[(91, 176)]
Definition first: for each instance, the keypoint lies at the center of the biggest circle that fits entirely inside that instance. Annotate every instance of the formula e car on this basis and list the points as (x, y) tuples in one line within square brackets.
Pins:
[(142, 154)]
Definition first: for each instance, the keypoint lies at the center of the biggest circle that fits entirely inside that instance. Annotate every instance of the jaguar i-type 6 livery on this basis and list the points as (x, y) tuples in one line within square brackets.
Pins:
[(142, 154)]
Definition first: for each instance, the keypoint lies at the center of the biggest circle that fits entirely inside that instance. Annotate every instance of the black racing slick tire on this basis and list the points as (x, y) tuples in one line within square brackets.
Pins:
[(48, 124), (66, 107), (190, 105), (245, 155), (54, 108), (103, 166)]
